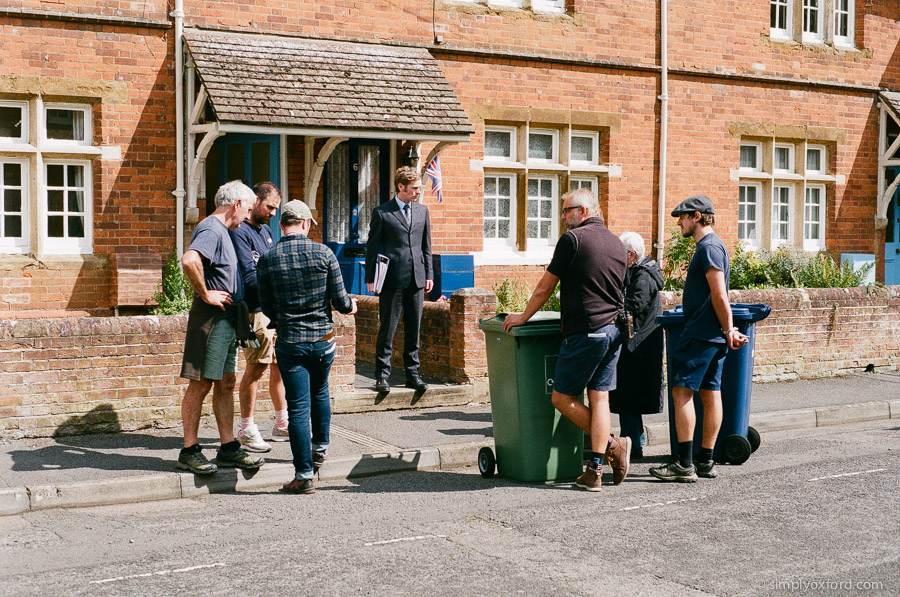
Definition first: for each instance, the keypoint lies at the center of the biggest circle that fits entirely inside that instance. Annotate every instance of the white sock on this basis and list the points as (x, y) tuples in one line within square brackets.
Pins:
[(281, 418), (245, 423)]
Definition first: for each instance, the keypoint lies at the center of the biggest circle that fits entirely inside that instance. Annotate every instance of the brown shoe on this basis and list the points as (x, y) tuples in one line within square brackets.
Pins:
[(590, 479), (619, 459)]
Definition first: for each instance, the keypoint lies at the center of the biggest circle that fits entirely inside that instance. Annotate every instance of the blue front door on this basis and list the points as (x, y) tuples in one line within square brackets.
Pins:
[(252, 159), (892, 235)]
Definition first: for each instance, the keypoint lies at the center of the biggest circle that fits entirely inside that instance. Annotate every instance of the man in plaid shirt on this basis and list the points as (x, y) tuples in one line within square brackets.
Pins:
[(299, 281)]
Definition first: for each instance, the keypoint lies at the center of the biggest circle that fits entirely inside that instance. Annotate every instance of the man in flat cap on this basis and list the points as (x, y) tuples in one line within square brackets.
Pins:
[(708, 333)]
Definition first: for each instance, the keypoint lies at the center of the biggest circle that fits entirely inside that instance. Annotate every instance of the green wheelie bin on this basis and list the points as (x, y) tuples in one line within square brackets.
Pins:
[(534, 442)]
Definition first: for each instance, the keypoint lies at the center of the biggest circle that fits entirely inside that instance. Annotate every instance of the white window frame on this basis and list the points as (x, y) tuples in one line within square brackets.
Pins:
[(751, 243), (759, 156), (787, 31), (776, 242), (844, 40), (87, 112), (554, 151), (792, 165), (66, 245), (554, 213), (822, 157), (592, 184), (509, 242), (16, 245), (814, 244), (513, 138), (23, 106), (594, 136), (819, 12), (558, 6)]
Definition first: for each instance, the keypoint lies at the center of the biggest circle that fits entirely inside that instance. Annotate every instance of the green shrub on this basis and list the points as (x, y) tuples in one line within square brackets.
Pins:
[(175, 294), (821, 271), (676, 257), (513, 295)]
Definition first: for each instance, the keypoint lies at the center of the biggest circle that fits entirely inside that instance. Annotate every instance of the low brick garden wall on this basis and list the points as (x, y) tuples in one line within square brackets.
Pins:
[(61, 376), (815, 332)]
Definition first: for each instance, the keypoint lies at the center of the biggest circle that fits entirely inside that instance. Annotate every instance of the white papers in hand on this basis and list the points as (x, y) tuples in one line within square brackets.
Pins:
[(381, 267)]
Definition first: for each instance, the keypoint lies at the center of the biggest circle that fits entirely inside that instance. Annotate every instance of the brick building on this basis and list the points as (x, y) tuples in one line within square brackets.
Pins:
[(780, 110)]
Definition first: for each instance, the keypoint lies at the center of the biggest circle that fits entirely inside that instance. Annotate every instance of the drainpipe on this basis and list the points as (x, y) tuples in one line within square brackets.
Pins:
[(178, 14), (663, 127)]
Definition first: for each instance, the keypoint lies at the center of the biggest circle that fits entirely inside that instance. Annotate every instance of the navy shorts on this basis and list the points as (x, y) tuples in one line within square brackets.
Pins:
[(588, 361), (697, 364)]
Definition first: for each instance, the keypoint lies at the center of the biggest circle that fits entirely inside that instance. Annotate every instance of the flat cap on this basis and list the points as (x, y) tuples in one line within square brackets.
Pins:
[(700, 203), (296, 210)]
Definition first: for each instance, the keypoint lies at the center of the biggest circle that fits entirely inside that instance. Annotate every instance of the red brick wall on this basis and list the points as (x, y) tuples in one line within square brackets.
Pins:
[(133, 208), (108, 374), (815, 332)]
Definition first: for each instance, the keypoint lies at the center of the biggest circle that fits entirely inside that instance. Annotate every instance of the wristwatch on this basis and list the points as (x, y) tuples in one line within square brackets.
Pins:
[(728, 331)]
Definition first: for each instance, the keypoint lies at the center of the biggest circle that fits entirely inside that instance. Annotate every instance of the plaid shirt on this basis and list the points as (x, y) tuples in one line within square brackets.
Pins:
[(299, 279)]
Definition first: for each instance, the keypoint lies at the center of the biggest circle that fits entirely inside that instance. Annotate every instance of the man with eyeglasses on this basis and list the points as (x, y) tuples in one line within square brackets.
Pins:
[(590, 263)]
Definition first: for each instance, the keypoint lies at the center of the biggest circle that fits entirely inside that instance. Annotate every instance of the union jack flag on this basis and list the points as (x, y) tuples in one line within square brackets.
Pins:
[(437, 183)]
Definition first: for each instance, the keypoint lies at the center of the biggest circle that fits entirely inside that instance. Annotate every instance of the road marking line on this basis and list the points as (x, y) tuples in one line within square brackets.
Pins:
[(657, 504), (874, 470), (401, 539), (157, 573)]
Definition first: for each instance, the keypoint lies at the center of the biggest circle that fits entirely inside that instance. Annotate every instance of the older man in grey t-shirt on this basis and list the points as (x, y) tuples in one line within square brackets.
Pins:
[(210, 351)]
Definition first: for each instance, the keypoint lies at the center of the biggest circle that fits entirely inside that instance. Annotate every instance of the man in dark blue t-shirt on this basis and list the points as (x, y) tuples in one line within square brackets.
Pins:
[(708, 332), (251, 240)]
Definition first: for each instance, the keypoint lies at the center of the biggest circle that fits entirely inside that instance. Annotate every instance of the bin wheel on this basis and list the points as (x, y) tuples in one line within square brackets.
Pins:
[(753, 438), (737, 449), (486, 462)]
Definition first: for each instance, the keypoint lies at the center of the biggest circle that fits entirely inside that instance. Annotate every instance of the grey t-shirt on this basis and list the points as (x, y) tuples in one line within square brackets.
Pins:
[(220, 265)]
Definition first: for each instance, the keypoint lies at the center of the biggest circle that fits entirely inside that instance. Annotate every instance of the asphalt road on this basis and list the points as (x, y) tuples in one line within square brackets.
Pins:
[(812, 512)]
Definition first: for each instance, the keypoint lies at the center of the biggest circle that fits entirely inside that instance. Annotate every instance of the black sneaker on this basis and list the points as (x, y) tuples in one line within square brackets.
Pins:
[(196, 463), (237, 459), (707, 469), (297, 486), (674, 472)]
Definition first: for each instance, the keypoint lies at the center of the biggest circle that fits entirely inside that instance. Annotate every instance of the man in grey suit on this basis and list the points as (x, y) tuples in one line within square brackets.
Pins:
[(401, 231)]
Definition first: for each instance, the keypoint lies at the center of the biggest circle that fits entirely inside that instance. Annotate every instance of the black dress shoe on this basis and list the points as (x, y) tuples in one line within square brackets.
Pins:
[(415, 382), (382, 385)]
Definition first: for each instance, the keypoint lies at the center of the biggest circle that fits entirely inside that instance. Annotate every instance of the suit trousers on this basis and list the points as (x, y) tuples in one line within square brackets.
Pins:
[(390, 302)]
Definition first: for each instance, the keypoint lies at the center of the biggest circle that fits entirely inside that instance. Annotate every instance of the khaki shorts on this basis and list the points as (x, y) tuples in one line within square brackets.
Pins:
[(265, 354)]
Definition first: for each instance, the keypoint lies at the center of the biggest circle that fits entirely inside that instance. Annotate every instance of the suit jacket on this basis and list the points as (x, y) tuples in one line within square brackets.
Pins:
[(407, 246)]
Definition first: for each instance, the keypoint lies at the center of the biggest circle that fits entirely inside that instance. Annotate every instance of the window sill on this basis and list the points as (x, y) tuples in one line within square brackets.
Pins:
[(14, 147), (509, 256)]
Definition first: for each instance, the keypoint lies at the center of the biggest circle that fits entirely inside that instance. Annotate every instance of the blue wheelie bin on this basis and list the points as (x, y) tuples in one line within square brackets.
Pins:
[(737, 440)]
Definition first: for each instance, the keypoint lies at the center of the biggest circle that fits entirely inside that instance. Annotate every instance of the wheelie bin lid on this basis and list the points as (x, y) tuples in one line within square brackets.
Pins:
[(542, 323), (751, 312)]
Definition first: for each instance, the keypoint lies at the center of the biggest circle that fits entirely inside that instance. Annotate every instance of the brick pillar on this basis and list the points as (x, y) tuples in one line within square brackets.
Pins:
[(343, 370), (468, 360)]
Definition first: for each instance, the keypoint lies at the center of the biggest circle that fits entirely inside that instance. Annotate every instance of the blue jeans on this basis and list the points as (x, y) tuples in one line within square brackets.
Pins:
[(633, 426), (304, 369)]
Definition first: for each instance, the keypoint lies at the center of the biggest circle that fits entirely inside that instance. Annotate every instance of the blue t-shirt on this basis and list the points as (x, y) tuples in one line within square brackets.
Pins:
[(220, 266), (249, 243), (700, 320)]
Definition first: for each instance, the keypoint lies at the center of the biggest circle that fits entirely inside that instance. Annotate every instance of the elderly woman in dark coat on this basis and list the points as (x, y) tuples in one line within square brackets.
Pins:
[(639, 375)]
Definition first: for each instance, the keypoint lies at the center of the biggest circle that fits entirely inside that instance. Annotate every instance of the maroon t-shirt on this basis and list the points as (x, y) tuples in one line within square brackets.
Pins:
[(590, 262)]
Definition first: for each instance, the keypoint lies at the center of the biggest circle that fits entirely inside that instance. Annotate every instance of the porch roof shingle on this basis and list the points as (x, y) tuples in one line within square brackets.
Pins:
[(286, 82)]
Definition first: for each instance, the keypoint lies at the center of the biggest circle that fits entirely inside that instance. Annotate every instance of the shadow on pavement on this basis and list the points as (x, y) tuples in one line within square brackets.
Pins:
[(433, 481)]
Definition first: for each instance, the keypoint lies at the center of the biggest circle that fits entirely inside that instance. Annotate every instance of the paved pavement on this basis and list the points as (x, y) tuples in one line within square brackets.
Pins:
[(80, 471)]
